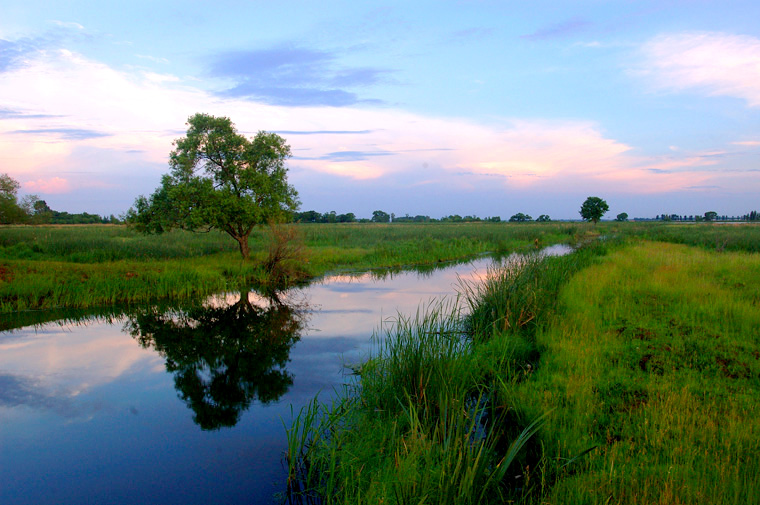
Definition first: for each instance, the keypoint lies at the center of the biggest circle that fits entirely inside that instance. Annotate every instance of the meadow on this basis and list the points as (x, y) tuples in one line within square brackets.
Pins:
[(54, 267), (626, 372)]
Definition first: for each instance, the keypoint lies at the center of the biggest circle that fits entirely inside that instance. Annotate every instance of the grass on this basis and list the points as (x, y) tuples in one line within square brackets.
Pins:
[(654, 359), (53, 267), (627, 372), (428, 422)]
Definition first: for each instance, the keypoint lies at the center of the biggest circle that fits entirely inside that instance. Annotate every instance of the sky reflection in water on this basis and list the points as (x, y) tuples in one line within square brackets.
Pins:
[(190, 408)]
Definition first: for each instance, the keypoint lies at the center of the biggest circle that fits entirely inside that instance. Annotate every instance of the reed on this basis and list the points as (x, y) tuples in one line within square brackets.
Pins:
[(54, 267), (429, 420)]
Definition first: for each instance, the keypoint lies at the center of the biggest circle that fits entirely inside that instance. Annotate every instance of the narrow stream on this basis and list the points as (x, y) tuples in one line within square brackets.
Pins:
[(186, 404)]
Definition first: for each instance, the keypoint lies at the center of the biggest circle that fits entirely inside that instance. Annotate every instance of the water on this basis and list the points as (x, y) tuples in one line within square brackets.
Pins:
[(185, 405)]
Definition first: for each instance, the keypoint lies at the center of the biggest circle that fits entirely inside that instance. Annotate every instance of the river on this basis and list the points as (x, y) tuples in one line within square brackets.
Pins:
[(187, 404)]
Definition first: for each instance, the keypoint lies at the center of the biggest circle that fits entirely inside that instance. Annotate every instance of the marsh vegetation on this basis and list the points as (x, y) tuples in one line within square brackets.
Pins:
[(625, 372)]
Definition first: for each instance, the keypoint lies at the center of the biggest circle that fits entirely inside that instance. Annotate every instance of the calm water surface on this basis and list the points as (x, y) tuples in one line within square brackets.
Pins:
[(185, 405)]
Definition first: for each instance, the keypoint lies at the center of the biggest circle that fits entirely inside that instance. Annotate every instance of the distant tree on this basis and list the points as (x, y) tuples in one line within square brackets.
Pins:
[(221, 180), (520, 218), (593, 209), (711, 215), (543, 218), (346, 218), (310, 216), (379, 216), (622, 217), (10, 212)]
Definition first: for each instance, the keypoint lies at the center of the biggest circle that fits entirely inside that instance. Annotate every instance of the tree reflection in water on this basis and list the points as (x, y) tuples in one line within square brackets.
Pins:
[(223, 358)]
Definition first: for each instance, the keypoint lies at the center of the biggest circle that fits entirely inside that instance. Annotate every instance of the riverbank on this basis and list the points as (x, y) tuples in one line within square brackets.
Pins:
[(53, 267), (627, 372)]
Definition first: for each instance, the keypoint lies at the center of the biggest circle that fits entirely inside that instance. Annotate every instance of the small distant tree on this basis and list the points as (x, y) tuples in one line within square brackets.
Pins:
[(543, 218), (221, 180), (711, 215), (520, 218), (622, 217), (593, 209), (379, 216)]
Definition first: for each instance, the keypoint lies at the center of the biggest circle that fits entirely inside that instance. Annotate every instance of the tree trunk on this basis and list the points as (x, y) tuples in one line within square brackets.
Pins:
[(244, 249)]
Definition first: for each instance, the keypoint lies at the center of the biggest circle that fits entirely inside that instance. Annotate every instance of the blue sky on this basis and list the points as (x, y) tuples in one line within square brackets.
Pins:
[(468, 107)]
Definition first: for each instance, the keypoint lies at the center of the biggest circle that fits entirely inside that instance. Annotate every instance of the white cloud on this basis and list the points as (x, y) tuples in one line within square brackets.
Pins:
[(134, 117), (712, 62), (67, 24)]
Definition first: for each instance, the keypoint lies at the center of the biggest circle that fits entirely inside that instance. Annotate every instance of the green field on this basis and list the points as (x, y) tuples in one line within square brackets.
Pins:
[(627, 372), (53, 267)]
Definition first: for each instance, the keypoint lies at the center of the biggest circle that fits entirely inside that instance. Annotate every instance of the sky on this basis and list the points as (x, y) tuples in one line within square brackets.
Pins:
[(477, 107)]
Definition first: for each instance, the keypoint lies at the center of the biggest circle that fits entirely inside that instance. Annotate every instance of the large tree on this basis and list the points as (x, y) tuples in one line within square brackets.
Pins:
[(593, 209), (220, 179)]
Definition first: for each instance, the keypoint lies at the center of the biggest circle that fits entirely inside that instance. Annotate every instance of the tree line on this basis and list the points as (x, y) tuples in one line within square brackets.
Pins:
[(29, 209)]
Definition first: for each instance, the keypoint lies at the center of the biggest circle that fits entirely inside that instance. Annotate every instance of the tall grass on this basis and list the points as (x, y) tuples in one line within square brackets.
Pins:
[(641, 361), (49, 267), (654, 359), (712, 236), (429, 421)]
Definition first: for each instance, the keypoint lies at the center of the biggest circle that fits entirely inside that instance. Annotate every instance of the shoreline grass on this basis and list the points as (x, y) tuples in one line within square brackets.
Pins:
[(45, 267), (639, 362), (428, 421)]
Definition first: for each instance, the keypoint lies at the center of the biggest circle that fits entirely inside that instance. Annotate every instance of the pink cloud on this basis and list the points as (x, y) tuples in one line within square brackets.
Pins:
[(716, 63), (53, 185)]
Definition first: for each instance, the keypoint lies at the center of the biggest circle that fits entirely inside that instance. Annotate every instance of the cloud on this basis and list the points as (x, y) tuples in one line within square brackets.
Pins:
[(64, 133), (292, 76), (563, 29), (53, 185), (747, 143), (12, 53), (349, 155), (323, 132), (18, 114), (714, 63), (155, 59), (364, 153), (67, 24)]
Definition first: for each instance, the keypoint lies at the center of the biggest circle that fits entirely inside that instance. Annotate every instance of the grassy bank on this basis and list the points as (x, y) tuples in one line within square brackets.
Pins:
[(619, 374), (429, 421), (46, 267), (654, 358)]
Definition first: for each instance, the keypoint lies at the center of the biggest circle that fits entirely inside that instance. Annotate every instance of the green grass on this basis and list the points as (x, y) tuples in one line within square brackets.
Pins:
[(428, 422), (654, 357), (53, 267), (627, 372)]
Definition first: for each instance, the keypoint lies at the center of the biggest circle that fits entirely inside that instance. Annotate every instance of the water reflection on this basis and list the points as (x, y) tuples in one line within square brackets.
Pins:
[(223, 356)]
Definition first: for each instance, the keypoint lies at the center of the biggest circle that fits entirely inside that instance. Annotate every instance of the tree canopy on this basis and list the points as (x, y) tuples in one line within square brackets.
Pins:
[(520, 218), (593, 209), (219, 179)]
